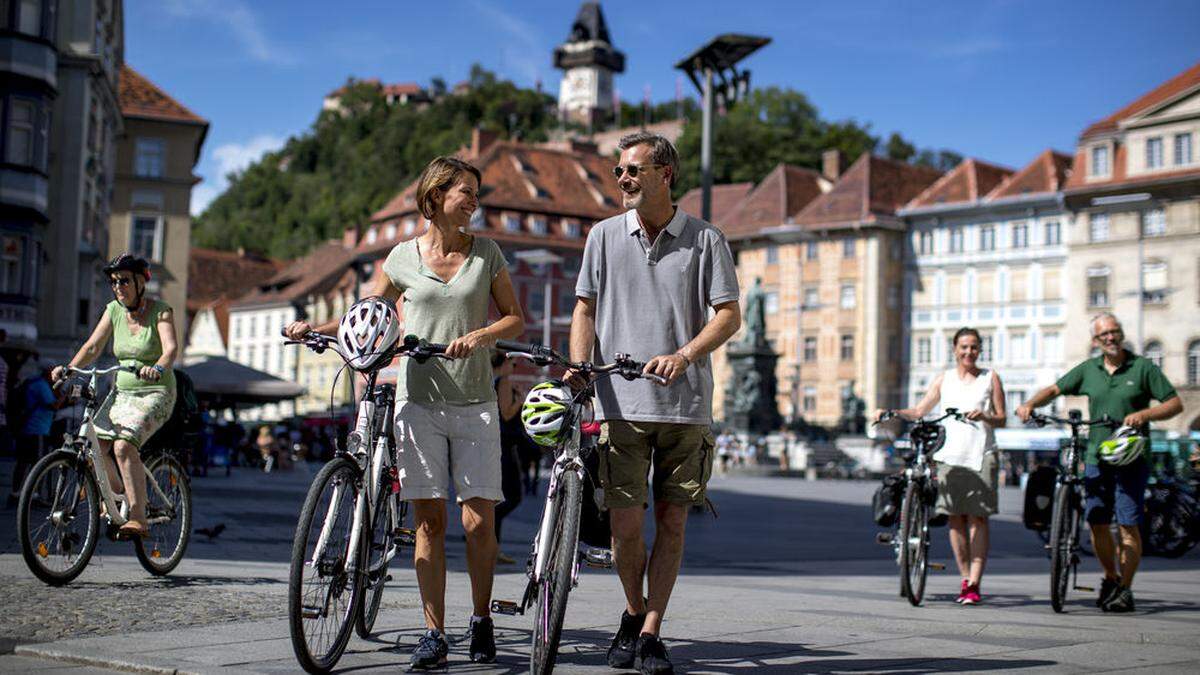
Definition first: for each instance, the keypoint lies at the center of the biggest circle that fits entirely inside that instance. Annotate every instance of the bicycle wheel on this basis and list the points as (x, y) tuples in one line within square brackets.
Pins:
[(169, 513), (378, 551), (551, 602), (1064, 531), (58, 517), (914, 544), (323, 593)]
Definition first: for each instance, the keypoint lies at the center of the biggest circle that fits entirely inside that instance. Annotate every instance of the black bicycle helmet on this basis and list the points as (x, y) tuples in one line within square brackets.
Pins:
[(127, 262)]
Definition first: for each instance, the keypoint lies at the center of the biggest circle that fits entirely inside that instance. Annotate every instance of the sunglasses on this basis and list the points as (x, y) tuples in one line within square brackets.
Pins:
[(120, 282), (1114, 333), (633, 170)]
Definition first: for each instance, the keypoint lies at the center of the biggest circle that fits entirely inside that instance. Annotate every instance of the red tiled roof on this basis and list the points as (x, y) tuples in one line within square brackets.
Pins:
[(401, 88), (778, 196), (1048, 172), (870, 188), (968, 182), (322, 267), (724, 198), (140, 97), (1167, 90), (213, 275)]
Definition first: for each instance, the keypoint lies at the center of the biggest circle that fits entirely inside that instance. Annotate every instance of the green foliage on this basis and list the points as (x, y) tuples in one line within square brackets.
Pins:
[(348, 165)]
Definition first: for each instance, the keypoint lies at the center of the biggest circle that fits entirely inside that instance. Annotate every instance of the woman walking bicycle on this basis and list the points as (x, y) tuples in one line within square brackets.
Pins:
[(967, 487), (447, 422), (143, 335)]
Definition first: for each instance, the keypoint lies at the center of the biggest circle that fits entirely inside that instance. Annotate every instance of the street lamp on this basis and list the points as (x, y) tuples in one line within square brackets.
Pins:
[(718, 57), (545, 258)]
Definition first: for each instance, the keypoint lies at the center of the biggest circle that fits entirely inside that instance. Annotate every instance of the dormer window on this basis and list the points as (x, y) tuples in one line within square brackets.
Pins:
[(1100, 166), (538, 225), (410, 225), (572, 229), (512, 222), (1154, 152), (372, 235), (478, 222), (389, 232)]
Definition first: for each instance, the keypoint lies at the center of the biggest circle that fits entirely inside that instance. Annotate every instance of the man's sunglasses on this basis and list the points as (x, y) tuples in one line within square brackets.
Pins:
[(120, 282), (632, 169)]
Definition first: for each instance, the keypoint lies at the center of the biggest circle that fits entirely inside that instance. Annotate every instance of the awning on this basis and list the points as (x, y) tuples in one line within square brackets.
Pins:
[(224, 383)]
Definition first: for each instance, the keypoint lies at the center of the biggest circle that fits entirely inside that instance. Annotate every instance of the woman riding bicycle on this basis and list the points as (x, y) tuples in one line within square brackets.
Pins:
[(143, 335), (967, 486), (447, 423)]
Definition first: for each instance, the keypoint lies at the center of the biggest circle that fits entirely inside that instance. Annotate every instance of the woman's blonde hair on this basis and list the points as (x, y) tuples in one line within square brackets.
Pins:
[(440, 175)]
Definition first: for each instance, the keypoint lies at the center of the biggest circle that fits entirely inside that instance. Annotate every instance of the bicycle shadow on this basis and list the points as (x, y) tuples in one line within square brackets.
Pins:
[(181, 581)]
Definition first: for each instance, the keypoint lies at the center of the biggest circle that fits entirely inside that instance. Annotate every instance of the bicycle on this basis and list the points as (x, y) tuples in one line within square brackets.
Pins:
[(553, 565), (351, 524), (58, 515), (1065, 522), (910, 536), (1171, 524)]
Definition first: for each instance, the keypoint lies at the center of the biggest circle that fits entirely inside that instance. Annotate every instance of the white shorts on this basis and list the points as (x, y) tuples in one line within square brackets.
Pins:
[(437, 442)]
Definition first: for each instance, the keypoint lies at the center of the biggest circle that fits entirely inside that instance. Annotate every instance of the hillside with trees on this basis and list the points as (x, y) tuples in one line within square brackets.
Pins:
[(350, 162)]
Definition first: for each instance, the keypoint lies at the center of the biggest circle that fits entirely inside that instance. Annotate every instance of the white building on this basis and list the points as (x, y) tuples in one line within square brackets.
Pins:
[(988, 251)]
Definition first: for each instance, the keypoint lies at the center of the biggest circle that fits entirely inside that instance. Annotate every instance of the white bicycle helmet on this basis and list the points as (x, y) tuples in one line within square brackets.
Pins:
[(368, 332), (1125, 445), (544, 411)]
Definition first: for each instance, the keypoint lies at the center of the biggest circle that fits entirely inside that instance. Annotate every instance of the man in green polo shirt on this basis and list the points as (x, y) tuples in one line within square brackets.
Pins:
[(1121, 385)]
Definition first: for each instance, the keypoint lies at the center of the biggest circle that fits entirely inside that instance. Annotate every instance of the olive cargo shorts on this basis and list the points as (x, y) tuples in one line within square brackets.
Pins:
[(680, 454)]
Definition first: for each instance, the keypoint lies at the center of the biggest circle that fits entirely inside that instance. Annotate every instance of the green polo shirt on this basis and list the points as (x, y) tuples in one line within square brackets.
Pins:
[(1129, 389)]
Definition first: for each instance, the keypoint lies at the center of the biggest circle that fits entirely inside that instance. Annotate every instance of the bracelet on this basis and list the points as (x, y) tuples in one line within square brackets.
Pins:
[(160, 369)]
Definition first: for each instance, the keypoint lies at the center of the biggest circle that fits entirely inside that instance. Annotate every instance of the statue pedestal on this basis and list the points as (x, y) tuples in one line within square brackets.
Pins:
[(750, 393)]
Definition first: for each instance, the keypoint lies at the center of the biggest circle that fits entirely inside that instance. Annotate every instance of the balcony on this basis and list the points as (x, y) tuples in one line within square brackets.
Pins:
[(29, 57)]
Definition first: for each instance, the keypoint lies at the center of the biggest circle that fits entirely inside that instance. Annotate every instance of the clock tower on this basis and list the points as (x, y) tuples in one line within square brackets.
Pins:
[(588, 61)]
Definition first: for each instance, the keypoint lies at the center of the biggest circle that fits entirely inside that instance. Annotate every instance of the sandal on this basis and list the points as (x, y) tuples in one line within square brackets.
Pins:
[(129, 531)]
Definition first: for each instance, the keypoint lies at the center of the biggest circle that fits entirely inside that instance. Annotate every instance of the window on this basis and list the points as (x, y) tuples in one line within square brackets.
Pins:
[(389, 232), (19, 147), (987, 238), (145, 237), (512, 222), (1099, 226), (538, 225), (1053, 233), (956, 240), (924, 350), (537, 301), (410, 223), (810, 349), (1018, 349), (848, 248), (810, 399), (985, 348), (771, 302), (149, 157), (1020, 235), (1154, 152), (772, 255), (1097, 286), (1193, 363), (1154, 352), (1100, 160), (1183, 149), (847, 296), (572, 229), (925, 242), (847, 348), (810, 250), (29, 20), (1154, 282), (372, 235), (1154, 223), (1013, 399), (10, 265), (812, 297), (478, 221)]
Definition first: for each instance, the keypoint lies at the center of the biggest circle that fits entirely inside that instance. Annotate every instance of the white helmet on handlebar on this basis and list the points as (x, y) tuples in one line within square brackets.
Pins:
[(545, 410), (1125, 445), (368, 332)]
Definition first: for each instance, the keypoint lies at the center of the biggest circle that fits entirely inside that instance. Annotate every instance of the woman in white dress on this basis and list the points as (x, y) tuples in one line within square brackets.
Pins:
[(968, 467)]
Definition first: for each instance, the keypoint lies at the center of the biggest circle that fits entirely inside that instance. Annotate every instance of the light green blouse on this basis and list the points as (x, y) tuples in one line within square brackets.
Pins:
[(440, 312), (143, 349)]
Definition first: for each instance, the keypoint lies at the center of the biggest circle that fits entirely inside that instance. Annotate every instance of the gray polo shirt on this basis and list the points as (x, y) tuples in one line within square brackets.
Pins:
[(653, 300)]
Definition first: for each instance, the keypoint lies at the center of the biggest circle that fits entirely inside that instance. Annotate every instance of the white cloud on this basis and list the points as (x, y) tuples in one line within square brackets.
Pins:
[(236, 17), (230, 158)]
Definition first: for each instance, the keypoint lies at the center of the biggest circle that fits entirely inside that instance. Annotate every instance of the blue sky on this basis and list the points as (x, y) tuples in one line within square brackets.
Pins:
[(995, 79)]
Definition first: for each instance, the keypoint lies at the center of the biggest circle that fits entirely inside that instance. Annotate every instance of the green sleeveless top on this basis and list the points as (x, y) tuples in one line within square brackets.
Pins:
[(143, 349)]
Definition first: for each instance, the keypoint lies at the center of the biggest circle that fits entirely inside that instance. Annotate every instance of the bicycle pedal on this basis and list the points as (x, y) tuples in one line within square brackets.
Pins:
[(599, 558), (310, 612), (884, 538), (937, 566), (506, 607), (405, 536), (1086, 589)]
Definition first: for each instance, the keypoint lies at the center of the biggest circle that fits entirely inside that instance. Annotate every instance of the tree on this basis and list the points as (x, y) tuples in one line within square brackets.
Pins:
[(899, 149)]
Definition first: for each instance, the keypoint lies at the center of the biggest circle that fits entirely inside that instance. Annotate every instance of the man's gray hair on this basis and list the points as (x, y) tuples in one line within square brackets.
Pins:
[(1100, 317), (661, 150)]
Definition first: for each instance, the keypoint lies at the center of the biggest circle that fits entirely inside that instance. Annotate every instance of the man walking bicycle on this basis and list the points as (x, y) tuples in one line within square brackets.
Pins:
[(648, 280), (1119, 384)]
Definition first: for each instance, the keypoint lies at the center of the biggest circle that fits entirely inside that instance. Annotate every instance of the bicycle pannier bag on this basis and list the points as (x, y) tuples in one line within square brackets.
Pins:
[(1039, 498), (885, 504)]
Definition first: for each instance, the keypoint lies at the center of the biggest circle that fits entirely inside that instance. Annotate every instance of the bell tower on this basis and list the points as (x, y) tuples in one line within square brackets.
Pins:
[(588, 61)]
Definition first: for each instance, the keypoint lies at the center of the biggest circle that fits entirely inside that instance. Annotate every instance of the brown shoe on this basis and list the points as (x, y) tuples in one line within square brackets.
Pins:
[(131, 530)]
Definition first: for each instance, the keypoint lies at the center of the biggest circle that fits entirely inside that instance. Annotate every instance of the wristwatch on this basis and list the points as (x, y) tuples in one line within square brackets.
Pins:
[(160, 369)]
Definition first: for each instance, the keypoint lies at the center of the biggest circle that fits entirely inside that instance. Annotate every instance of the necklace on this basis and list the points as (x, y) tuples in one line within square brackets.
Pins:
[(136, 315)]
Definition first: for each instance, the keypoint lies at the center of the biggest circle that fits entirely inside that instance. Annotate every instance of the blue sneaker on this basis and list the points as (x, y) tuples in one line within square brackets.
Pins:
[(431, 651)]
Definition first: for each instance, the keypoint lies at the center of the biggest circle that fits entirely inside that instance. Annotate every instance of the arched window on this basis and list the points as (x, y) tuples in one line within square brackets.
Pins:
[(1154, 352), (1193, 363)]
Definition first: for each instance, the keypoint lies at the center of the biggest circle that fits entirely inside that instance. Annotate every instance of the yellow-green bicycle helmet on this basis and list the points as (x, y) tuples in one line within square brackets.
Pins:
[(545, 410)]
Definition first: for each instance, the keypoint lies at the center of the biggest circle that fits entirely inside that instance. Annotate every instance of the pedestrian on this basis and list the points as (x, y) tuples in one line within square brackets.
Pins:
[(968, 474), (33, 435), (447, 426), (512, 432), (268, 448), (1121, 385), (650, 278)]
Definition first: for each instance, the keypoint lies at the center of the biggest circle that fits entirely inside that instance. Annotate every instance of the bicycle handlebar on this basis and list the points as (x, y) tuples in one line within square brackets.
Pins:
[(950, 412), (1041, 420), (622, 365), (410, 346), (90, 372)]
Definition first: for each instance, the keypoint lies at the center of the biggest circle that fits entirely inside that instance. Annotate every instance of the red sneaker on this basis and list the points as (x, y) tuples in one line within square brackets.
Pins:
[(971, 595), (962, 592)]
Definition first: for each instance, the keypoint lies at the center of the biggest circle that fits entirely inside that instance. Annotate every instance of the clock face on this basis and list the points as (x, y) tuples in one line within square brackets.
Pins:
[(578, 88)]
